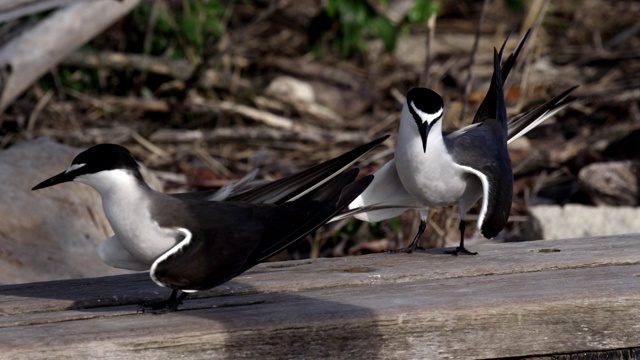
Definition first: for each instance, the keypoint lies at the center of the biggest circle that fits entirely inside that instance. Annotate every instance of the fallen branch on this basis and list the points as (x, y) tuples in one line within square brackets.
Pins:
[(202, 106), (472, 61), (248, 134), (14, 9), (29, 55), (315, 70), (179, 68)]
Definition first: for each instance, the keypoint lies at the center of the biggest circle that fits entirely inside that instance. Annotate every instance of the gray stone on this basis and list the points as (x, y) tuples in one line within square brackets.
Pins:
[(572, 221), (612, 183), (51, 233)]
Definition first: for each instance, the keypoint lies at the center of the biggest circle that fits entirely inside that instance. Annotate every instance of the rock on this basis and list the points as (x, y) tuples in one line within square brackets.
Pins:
[(290, 90), (51, 233), (525, 159), (571, 221), (612, 183), (349, 103), (302, 96)]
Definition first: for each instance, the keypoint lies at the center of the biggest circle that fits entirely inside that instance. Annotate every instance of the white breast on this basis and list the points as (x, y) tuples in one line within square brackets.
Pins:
[(431, 177), (126, 204)]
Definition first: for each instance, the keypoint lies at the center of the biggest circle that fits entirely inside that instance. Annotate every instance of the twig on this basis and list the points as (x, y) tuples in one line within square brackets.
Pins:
[(250, 134), (37, 50), (315, 70), (541, 6), (189, 53), (243, 110), (472, 61), (426, 73), (149, 145), (44, 100), (178, 69), (141, 105), (13, 9), (147, 42), (237, 37), (211, 55), (212, 162), (306, 109), (151, 25), (113, 103)]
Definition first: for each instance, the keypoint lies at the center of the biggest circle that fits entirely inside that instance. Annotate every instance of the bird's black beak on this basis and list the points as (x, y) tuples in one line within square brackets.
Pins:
[(55, 180), (424, 128)]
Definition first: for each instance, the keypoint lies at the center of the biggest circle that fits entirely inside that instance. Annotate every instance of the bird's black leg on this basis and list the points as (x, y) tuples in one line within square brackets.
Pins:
[(165, 306), (416, 240), (461, 249)]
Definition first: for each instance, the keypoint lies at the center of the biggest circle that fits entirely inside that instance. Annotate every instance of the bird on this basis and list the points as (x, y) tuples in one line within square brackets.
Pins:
[(195, 241), (432, 168)]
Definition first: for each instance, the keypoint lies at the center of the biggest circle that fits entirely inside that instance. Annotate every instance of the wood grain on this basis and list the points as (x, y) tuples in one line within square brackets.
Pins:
[(514, 299)]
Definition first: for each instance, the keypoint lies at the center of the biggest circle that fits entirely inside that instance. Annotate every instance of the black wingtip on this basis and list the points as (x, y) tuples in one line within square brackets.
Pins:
[(519, 123), (565, 97), (353, 190), (285, 189), (322, 204)]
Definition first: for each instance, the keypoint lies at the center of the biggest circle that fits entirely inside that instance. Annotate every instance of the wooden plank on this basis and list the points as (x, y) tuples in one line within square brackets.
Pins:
[(295, 276), (508, 301)]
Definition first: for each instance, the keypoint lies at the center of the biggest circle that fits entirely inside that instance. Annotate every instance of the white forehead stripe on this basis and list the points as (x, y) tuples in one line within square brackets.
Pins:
[(74, 167), (429, 118)]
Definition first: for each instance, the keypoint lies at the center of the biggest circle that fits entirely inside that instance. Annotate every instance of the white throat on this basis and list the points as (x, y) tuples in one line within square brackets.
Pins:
[(430, 176), (409, 145)]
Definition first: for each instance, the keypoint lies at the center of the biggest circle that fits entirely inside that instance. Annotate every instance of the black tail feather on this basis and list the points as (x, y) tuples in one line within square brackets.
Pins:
[(500, 111), (288, 188), (486, 109)]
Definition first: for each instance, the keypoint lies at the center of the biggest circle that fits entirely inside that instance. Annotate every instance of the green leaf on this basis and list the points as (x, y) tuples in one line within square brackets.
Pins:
[(386, 31), (422, 10), (515, 5)]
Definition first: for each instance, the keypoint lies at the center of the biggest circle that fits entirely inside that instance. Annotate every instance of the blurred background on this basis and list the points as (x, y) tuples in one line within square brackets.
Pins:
[(202, 92)]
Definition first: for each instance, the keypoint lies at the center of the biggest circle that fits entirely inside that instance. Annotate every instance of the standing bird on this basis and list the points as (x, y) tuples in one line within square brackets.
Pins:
[(432, 168), (196, 241)]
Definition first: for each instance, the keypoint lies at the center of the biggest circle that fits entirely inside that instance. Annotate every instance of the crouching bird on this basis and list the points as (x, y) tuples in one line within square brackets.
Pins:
[(198, 240)]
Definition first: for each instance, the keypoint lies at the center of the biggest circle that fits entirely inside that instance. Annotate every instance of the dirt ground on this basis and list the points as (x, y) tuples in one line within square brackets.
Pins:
[(260, 95)]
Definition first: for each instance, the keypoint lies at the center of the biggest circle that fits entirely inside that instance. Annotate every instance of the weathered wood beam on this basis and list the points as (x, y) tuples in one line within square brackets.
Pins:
[(14, 9), (515, 299)]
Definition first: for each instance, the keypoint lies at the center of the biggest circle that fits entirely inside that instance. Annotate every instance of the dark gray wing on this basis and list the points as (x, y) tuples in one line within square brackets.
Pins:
[(218, 238), (223, 239), (490, 159), (483, 149)]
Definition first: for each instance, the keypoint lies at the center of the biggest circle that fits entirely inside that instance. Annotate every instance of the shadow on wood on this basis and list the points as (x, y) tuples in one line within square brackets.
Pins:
[(531, 299)]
